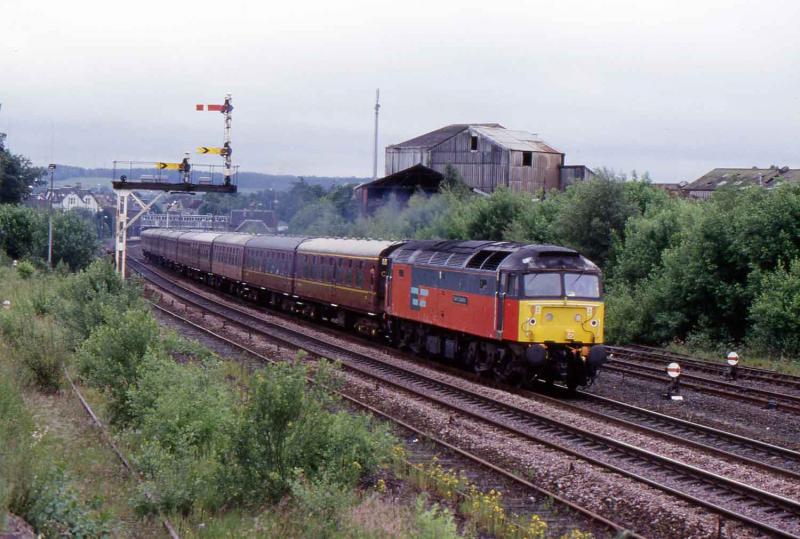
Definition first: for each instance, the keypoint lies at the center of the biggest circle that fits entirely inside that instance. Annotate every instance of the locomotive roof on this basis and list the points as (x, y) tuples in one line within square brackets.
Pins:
[(490, 255), (346, 247), (287, 243)]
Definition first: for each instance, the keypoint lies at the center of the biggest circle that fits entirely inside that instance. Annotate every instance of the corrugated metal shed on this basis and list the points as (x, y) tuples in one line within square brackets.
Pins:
[(486, 155)]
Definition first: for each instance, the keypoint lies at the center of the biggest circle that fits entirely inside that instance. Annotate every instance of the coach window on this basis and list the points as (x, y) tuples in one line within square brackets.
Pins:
[(360, 274)]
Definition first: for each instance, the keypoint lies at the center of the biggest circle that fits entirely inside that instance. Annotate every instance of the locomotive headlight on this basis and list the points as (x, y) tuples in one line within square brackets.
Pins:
[(577, 318), (549, 317), (594, 323), (532, 321)]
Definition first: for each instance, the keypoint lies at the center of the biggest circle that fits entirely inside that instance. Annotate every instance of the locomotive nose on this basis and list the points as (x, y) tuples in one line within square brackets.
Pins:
[(561, 321)]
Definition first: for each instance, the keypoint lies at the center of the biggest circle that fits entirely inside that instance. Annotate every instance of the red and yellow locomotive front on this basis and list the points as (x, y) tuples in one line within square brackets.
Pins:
[(520, 311)]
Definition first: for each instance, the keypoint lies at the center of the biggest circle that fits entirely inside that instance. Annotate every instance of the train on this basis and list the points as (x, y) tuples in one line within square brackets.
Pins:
[(519, 313)]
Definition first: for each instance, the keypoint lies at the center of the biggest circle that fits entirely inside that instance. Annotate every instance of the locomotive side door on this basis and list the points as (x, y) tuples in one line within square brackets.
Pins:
[(500, 297)]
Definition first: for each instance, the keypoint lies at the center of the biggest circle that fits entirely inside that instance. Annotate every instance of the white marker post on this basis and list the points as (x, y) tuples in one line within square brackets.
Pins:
[(733, 366), (674, 387)]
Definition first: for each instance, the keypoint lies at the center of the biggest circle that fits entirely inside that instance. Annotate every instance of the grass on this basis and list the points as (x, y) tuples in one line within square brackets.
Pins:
[(70, 441)]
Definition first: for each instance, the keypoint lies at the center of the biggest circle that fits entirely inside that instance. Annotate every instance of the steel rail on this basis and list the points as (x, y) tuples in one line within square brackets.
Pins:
[(537, 428), (508, 474), (765, 398), (728, 445), (745, 373), (116, 450)]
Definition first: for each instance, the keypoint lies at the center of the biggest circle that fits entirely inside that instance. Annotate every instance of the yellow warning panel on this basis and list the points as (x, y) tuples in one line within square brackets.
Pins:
[(168, 166), (211, 149)]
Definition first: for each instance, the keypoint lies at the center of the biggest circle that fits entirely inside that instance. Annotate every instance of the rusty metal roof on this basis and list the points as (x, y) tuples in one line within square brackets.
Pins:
[(436, 137), (514, 140), (509, 139)]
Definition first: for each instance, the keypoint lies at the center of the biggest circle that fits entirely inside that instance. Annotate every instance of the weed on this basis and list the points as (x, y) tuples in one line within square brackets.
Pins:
[(435, 522), (40, 346), (16, 440), (25, 269), (56, 510)]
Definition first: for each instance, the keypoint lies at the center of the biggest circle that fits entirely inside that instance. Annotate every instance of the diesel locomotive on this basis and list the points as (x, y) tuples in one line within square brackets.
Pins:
[(514, 311)]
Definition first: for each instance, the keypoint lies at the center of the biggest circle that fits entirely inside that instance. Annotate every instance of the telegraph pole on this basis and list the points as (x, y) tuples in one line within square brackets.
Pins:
[(52, 168), (375, 148)]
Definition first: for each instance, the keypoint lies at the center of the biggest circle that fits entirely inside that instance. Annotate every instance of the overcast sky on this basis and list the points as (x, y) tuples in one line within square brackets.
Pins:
[(674, 88)]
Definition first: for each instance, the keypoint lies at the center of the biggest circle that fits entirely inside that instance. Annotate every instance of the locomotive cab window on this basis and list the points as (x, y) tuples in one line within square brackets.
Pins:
[(546, 285), (581, 285)]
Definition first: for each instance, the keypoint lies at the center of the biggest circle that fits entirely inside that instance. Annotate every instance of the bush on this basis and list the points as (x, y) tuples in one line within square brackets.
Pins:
[(322, 503), (176, 480), (111, 357), (285, 427), (89, 295), (25, 269), (184, 416)]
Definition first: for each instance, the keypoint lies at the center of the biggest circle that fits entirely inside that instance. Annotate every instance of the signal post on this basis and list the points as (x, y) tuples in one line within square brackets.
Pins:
[(170, 177)]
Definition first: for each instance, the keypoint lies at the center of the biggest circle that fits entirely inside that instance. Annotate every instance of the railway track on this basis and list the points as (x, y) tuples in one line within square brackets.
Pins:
[(717, 369), (733, 447), (767, 512), (628, 362), (529, 497)]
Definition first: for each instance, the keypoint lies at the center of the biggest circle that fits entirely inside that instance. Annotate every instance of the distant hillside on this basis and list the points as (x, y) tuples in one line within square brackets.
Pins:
[(251, 181)]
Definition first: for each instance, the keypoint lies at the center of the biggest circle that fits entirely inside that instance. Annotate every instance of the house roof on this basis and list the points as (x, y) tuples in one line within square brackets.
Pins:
[(436, 137), (742, 177)]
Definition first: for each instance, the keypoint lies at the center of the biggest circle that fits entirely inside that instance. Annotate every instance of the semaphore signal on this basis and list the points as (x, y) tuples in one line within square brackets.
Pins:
[(226, 149)]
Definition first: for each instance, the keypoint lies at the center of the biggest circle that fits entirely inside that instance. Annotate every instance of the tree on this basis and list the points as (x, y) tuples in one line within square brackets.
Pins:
[(19, 227), (17, 173), (775, 312), (74, 240), (596, 212), (299, 196)]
